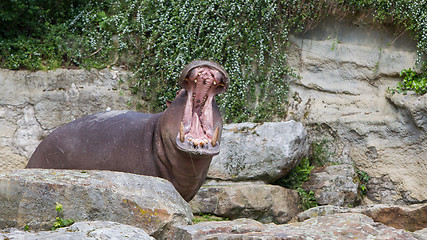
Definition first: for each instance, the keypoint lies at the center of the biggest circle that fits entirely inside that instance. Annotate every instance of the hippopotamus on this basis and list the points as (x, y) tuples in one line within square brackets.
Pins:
[(177, 144)]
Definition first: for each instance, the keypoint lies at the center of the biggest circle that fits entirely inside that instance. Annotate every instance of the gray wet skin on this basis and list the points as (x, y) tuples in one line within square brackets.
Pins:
[(177, 145)]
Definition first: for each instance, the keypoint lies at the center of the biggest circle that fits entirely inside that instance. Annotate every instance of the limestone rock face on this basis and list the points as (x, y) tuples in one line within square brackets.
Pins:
[(88, 230), (415, 105), (337, 226), (266, 152), (32, 104), (346, 67), (256, 200), (28, 197), (335, 185)]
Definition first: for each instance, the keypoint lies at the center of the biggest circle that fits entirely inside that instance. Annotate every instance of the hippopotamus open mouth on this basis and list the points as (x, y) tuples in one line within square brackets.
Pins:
[(198, 134)]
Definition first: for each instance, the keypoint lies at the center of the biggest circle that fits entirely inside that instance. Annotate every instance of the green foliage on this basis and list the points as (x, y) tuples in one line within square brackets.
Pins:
[(363, 179), (321, 155), (155, 39), (245, 38), (59, 221), (207, 218), (298, 175), (412, 81), (308, 200), (301, 173), (295, 179)]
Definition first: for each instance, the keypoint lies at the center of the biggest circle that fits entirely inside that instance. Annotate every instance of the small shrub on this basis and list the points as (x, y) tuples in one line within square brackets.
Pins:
[(363, 179), (59, 221), (308, 200), (295, 179), (298, 175)]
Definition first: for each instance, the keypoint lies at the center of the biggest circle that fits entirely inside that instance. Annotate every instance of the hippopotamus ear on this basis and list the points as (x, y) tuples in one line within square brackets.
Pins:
[(225, 79)]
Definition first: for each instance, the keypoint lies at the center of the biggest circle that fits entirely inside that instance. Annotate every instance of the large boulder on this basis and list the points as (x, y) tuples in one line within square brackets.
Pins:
[(252, 151), (338, 226), (335, 185), (28, 197), (89, 230), (411, 218), (257, 200)]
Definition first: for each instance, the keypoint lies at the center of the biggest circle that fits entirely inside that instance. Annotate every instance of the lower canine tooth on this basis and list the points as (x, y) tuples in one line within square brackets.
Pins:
[(215, 137), (181, 132)]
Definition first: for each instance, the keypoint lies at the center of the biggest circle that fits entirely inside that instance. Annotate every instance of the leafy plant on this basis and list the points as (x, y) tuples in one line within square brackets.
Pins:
[(412, 81), (321, 155), (363, 179), (298, 175), (308, 200), (59, 221), (295, 179)]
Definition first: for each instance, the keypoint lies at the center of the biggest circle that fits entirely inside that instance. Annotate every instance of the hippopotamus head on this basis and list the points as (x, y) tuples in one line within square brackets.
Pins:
[(199, 128)]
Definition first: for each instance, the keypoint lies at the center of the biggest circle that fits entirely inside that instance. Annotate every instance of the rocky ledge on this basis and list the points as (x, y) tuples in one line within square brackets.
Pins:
[(113, 205)]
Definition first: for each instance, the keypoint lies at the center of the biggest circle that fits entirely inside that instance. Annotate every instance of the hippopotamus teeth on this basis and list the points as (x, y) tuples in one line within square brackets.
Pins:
[(181, 132), (215, 137)]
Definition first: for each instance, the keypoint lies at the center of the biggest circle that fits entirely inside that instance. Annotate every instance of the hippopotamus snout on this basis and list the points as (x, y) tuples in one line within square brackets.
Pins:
[(202, 80)]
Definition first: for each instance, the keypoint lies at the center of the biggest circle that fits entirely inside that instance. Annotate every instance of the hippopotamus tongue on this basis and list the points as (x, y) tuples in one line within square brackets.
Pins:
[(202, 81)]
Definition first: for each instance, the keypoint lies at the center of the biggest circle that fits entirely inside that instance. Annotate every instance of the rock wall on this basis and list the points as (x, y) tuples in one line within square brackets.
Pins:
[(346, 67), (32, 104)]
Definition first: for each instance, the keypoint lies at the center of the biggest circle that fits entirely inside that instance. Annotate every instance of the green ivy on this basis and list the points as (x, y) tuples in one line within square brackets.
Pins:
[(155, 39), (412, 81)]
